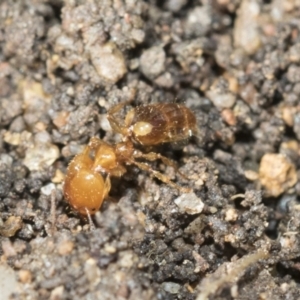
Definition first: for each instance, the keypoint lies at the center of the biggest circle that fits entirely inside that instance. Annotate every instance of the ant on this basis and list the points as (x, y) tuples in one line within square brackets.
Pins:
[(147, 125)]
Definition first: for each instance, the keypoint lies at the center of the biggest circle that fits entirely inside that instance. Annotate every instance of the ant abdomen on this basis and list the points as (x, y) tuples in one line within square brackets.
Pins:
[(161, 123)]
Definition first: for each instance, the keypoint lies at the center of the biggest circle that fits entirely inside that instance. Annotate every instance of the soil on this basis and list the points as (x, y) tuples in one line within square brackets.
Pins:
[(235, 64)]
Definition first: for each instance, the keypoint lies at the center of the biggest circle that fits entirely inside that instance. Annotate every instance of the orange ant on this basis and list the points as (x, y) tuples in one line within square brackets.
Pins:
[(147, 125)]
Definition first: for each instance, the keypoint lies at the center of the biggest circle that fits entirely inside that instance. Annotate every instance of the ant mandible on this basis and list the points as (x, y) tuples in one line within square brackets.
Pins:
[(147, 125)]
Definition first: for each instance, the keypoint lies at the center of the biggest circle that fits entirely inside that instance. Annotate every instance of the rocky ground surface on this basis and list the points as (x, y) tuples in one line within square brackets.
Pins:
[(236, 65)]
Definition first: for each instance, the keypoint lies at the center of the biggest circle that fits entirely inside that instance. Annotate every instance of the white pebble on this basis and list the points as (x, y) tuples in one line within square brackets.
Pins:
[(190, 203), (47, 189), (171, 287), (40, 156)]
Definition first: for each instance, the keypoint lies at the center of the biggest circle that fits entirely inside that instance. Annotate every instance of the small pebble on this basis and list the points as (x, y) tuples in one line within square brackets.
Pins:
[(152, 62), (65, 247), (110, 249), (246, 27), (58, 176), (92, 271), (8, 248), (231, 215), (201, 263), (16, 138), (11, 226), (171, 287), (251, 175), (25, 276), (109, 62), (126, 259), (40, 155), (9, 283), (35, 103), (276, 174), (175, 5), (57, 293), (199, 20), (61, 119), (228, 116), (189, 203), (220, 95), (104, 123), (47, 189)]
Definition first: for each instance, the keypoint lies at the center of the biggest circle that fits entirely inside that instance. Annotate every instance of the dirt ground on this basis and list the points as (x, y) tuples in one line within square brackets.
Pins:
[(236, 65)]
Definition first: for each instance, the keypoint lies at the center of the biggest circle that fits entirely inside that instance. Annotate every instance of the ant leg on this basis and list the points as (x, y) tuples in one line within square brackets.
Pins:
[(116, 108), (91, 223), (114, 123), (152, 156), (107, 186), (160, 176)]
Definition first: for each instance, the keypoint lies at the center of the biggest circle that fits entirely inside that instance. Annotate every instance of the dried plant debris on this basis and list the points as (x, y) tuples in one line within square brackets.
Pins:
[(228, 273), (235, 65)]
